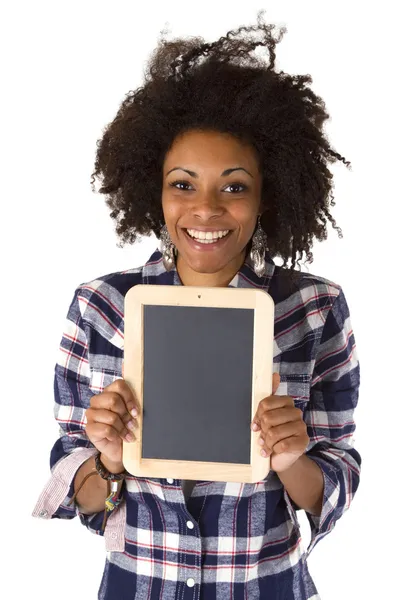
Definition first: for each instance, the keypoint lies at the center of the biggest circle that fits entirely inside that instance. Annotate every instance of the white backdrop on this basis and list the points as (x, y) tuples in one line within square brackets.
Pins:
[(66, 66)]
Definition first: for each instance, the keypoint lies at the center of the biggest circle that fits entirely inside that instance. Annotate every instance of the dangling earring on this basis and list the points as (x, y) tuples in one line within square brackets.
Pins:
[(258, 249), (167, 249)]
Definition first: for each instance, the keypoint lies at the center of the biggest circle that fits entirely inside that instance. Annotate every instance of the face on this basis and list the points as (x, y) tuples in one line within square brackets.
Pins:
[(212, 190)]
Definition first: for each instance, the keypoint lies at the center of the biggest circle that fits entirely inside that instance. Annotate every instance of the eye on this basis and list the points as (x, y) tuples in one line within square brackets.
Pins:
[(179, 182), (242, 185), (186, 183)]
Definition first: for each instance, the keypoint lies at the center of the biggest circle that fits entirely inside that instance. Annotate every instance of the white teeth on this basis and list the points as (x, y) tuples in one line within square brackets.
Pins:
[(207, 236)]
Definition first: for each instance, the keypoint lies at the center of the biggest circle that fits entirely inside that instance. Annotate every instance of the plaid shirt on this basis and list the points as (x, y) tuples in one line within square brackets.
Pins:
[(231, 540)]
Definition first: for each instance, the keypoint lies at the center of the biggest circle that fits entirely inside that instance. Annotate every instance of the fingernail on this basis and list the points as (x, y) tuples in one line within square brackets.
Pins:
[(254, 427), (130, 425), (134, 412), (129, 437), (263, 453), (261, 441)]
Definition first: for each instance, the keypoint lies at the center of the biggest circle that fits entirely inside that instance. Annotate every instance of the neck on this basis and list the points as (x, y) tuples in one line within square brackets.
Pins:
[(219, 279)]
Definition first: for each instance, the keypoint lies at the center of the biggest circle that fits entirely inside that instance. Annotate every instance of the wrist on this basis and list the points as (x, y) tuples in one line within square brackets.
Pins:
[(304, 482), (113, 467), (293, 468)]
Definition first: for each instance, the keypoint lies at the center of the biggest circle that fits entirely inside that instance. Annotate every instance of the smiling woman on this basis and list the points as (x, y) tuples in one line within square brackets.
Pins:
[(224, 159)]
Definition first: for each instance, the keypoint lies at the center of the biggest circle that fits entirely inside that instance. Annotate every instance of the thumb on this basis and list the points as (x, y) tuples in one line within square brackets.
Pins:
[(276, 379)]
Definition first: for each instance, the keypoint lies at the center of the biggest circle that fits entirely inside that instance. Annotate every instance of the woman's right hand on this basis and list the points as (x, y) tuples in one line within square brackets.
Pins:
[(110, 419)]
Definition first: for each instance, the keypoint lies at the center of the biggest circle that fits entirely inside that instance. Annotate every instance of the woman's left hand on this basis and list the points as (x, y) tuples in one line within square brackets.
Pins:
[(282, 429)]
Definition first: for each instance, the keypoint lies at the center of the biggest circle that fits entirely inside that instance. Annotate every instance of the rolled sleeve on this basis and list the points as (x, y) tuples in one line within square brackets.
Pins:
[(54, 500), (330, 418)]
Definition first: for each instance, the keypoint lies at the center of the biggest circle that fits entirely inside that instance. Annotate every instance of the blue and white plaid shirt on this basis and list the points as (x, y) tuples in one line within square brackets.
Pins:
[(230, 540)]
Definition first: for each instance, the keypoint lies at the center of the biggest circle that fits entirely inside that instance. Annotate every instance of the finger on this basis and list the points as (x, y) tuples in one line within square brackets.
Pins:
[(110, 401), (117, 397), (98, 432), (130, 422), (279, 416), (276, 379), (274, 402), (293, 444), (124, 425), (134, 411), (276, 434), (112, 419), (121, 387), (270, 403)]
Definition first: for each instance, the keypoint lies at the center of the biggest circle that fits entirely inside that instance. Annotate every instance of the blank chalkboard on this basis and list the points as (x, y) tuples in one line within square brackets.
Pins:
[(199, 360)]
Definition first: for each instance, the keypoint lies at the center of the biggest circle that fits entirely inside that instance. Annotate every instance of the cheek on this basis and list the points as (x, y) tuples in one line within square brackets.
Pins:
[(245, 215), (171, 208)]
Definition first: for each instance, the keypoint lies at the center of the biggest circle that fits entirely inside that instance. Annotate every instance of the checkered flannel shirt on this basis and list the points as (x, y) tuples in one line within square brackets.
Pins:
[(230, 540)]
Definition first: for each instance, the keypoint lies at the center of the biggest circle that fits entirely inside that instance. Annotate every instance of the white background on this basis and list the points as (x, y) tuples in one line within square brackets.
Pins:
[(66, 66)]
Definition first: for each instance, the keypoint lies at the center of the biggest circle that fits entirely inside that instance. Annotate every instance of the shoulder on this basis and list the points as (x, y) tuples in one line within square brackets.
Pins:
[(101, 299), (120, 281), (303, 302), (301, 287)]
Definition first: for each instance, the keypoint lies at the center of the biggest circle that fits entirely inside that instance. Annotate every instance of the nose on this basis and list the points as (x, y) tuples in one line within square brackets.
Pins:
[(208, 207)]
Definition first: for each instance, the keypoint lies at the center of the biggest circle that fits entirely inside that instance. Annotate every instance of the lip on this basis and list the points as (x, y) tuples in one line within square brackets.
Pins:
[(212, 229), (205, 247)]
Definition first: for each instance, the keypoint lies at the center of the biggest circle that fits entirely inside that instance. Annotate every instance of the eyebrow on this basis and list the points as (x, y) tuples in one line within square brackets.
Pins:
[(223, 174)]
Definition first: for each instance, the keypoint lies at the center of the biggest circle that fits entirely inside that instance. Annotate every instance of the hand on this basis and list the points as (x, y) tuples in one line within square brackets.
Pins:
[(283, 432), (110, 419)]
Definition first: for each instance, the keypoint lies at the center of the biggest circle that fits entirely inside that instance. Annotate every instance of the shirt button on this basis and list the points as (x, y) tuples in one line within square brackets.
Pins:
[(190, 525), (43, 513), (114, 535), (190, 582), (170, 480)]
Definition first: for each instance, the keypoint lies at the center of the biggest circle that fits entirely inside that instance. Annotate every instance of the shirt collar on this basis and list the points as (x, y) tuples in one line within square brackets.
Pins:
[(155, 272)]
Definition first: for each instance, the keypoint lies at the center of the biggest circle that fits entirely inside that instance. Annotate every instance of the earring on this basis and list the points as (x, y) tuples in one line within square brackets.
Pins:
[(167, 249), (258, 249)]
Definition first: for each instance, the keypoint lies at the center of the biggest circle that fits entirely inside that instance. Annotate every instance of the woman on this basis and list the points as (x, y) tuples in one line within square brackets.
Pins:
[(224, 159)]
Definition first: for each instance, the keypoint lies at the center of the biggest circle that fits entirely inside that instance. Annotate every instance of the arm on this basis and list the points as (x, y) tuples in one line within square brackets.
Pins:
[(285, 440), (73, 448), (330, 421)]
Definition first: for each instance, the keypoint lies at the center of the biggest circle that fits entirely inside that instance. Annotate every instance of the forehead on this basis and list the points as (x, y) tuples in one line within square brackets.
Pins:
[(211, 150)]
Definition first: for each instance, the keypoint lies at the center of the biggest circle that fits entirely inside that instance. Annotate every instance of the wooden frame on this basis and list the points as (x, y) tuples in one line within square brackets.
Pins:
[(263, 306)]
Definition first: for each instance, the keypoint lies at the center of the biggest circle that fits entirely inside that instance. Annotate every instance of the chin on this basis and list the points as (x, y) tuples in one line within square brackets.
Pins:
[(206, 266)]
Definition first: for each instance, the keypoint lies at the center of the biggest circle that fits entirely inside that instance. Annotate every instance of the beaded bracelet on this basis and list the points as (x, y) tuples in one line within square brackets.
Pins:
[(105, 473)]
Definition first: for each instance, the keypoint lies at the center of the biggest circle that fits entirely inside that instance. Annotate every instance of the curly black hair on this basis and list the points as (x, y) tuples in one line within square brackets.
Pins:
[(190, 84)]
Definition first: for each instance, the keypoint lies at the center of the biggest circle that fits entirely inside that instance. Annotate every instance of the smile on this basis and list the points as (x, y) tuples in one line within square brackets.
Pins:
[(200, 240), (207, 236)]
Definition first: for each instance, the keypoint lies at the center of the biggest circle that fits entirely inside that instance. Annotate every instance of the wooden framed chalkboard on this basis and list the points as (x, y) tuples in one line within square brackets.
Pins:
[(199, 360)]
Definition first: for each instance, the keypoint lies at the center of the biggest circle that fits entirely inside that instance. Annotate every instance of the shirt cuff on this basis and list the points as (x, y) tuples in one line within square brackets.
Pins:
[(53, 500), (114, 532), (55, 494), (321, 525)]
